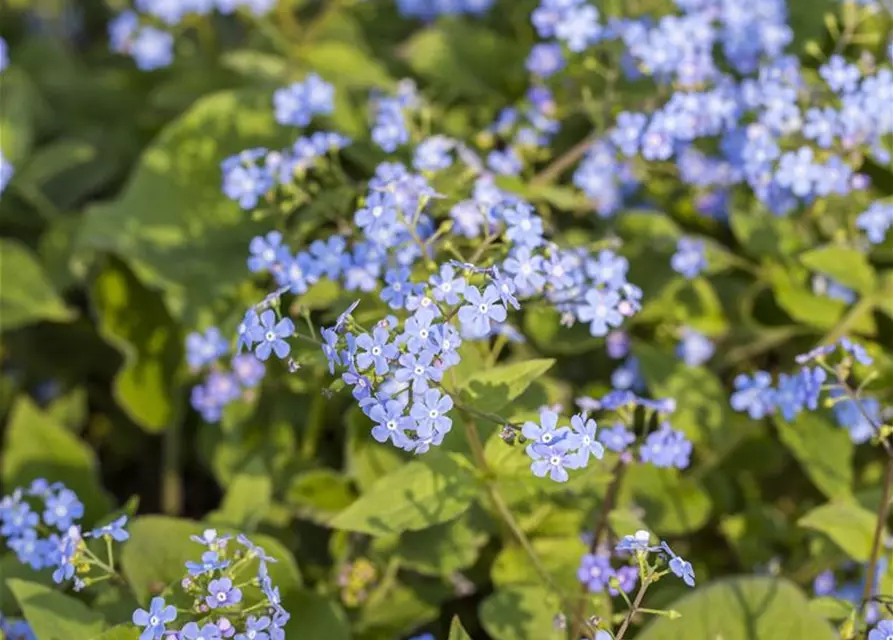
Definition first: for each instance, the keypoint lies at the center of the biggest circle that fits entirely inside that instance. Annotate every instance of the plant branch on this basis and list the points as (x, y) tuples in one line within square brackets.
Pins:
[(883, 512), (635, 608)]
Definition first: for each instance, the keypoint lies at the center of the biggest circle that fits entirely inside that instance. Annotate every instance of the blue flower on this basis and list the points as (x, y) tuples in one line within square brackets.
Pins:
[(475, 316), (446, 340), (298, 103), (248, 370), (211, 561), (270, 336), (330, 348), (377, 351), (689, 259), (399, 287), (876, 221), (433, 154), (840, 76), (114, 530), (616, 438), (418, 369), (265, 252), (608, 269), (666, 447), (798, 171), (527, 270), (380, 212), (208, 631), (545, 59), (222, 593), (250, 321), (429, 413), (447, 287), (578, 27), (62, 509), (255, 629), (585, 441), (754, 395), (155, 619), (418, 332), (883, 631), (600, 311), (695, 348), (595, 572), (683, 569), (152, 48), (296, 273), (550, 460), (6, 172), (16, 518), (202, 350), (638, 542), (627, 131), (524, 227), (391, 423), (546, 433), (861, 418), (824, 583), (329, 256)]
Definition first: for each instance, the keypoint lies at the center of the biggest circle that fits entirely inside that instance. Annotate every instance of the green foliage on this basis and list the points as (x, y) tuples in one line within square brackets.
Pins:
[(53, 615), (27, 295), (492, 389), (745, 608), (850, 526)]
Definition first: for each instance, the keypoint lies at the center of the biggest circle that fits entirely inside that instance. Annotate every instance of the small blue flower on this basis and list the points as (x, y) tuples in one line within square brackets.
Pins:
[(585, 441), (250, 321), (208, 631), (475, 317), (447, 287), (824, 584), (202, 350), (418, 333), (883, 631), (270, 336), (248, 370), (399, 287), (682, 569), (222, 593), (62, 509), (550, 460), (446, 340), (429, 413), (600, 311), (255, 629), (152, 48), (545, 59), (265, 252), (616, 438), (547, 432), (155, 619), (391, 423), (689, 259), (527, 269), (754, 395), (595, 572), (114, 530), (380, 212), (418, 370), (638, 542), (695, 348), (666, 447), (211, 561), (377, 351)]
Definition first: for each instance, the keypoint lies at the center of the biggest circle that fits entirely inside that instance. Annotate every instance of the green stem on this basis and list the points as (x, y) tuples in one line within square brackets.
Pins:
[(883, 512), (171, 478), (634, 609)]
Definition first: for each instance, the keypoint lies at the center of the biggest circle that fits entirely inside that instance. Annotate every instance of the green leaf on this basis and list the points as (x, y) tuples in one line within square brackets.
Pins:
[(315, 616), (460, 59), (425, 492), (673, 504), (135, 320), (824, 451), (27, 295), (444, 548), (457, 631), (17, 115), (37, 447), (367, 460), (121, 632), (248, 498), (801, 304), (849, 525), (172, 223), (346, 65), (543, 325), (742, 608), (159, 547), (830, 608), (53, 615), (521, 612), (846, 265), (492, 389), (319, 494), (763, 234), (560, 556)]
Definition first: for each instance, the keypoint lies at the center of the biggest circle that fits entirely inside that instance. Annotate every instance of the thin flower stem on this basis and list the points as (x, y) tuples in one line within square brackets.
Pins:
[(563, 162), (600, 526), (883, 512), (634, 609)]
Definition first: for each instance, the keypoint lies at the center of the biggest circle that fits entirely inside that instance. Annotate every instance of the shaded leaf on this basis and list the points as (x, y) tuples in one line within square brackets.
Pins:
[(846, 265), (53, 615), (521, 612), (492, 389), (26, 293), (849, 525), (824, 451)]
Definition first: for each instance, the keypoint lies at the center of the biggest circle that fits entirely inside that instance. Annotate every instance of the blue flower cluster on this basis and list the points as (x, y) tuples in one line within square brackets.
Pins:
[(640, 545), (224, 608), (757, 395), (16, 629), (51, 538), (597, 574), (221, 386), (254, 174), (430, 9), (147, 34)]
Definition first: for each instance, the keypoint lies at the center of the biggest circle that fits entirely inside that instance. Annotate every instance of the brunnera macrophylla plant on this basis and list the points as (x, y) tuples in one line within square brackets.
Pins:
[(412, 307)]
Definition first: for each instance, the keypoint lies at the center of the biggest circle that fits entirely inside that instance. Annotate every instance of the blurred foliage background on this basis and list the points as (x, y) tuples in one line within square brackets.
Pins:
[(116, 242)]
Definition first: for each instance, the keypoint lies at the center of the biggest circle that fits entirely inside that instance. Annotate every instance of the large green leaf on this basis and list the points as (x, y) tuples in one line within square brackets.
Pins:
[(134, 319), (847, 265), (172, 223), (159, 547), (492, 389), (17, 115), (26, 293), (121, 632), (444, 548), (763, 234), (53, 615), (248, 498), (849, 525), (673, 504), (824, 451), (744, 608), (521, 612), (315, 616), (423, 493), (559, 556), (38, 447)]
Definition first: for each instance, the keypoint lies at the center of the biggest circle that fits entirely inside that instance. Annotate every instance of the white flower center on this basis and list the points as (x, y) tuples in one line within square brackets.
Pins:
[(269, 336), (391, 425), (555, 461), (221, 597), (377, 211), (153, 620), (587, 440), (433, 413), (425, 302), (396, 286), (547, 438), (446, 286), (419, 370), (376, 350), (483, 307), (423, 334), (526, 269), (525, 225), (269, 255), (558, 270)]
